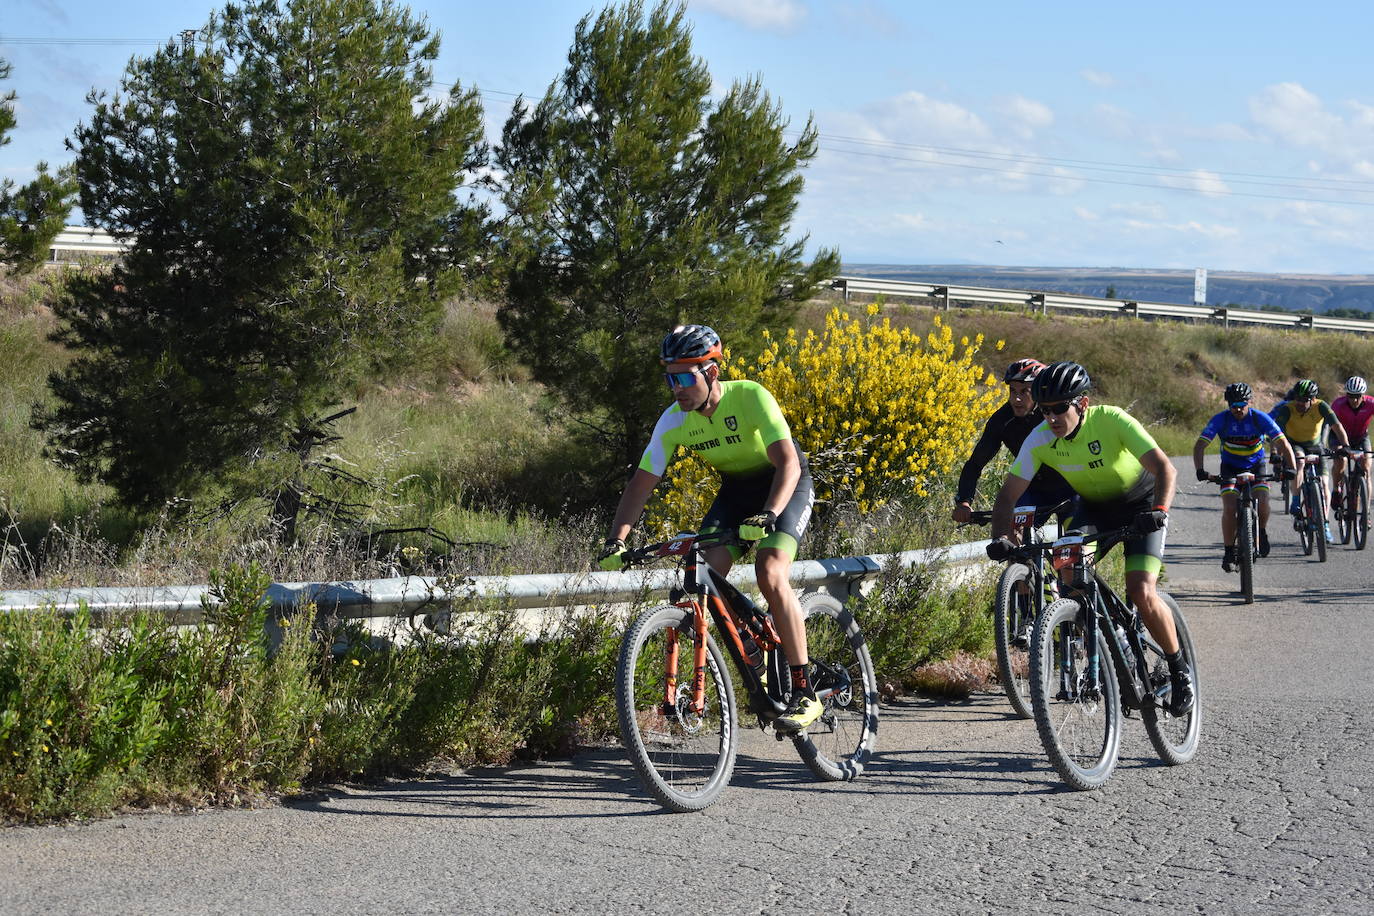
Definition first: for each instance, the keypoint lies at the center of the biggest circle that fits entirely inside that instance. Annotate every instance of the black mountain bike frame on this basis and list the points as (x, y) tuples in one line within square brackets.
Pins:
[(1107, 613)]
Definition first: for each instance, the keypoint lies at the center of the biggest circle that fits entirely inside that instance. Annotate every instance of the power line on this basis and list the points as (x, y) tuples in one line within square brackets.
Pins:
[(83, 41)]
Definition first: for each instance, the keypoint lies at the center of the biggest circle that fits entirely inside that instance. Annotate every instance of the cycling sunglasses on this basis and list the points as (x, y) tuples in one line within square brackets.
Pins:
[(1055, 409), (1238, 404), (682, 379)]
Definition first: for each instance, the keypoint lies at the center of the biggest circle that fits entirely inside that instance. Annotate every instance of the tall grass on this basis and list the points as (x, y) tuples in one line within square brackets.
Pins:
[(92, 718)]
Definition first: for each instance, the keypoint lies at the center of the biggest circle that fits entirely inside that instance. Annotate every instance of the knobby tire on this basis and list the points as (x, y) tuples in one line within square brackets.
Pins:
[(1013, 614), (1175, 738), (1361, 515), (1080, 733), (683, 759), (1245, 549), (1319, 523), (838, 745)]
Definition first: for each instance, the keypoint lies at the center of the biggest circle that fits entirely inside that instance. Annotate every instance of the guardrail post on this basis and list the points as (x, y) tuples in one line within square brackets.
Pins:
[(1225, 320), (1131, 308), (1306, 321), (1038, 299), (843, 287), (941, 293)]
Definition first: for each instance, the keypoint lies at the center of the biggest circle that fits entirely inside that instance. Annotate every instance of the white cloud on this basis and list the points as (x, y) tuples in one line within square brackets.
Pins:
[(1085, 214), (765, 15), (914, 117), (1214, 232), (1204, 182), (1098, 78), (1027, 115), (1296, 116)]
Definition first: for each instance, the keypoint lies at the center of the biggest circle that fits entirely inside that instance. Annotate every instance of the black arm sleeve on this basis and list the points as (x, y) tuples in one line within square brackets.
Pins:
[(983, 452)]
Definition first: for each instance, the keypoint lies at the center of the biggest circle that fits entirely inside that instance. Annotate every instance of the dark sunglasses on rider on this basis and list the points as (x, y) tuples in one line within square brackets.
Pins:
[(682, 379), (1055, 409), (1236, 405)]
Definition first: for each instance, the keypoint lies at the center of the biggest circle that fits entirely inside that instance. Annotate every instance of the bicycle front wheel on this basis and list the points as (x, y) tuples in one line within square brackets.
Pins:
[(1342, 509), (1319, 523), (1077, 711), (1013, 616), (1245, 549), (838, 745), (1175, 738), (1360, 522), (683, 754), (1305, 519)]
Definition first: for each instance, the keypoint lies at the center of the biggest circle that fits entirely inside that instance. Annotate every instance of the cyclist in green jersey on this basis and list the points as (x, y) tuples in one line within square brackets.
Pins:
[(766, 491), (1122, 478)]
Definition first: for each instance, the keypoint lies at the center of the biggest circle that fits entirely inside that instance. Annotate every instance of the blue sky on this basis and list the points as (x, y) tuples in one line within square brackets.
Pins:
[(1232, 136)]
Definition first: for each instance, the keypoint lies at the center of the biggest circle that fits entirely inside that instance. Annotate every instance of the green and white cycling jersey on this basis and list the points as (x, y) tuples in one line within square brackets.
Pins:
[(734, 439), (1101, 461)]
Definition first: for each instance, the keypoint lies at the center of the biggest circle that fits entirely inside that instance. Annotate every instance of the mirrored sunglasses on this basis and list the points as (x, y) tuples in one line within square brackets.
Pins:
[(1236, 405), (682, 379)]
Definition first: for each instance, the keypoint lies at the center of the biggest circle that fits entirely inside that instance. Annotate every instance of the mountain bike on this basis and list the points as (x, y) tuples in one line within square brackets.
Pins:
[(675, 696), (1023, 589), (1310, 519), (1247, 526), (1351, 505), (1091, 658)]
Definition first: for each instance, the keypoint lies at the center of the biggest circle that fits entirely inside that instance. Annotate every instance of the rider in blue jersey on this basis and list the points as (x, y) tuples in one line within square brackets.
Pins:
[(1243, 432)]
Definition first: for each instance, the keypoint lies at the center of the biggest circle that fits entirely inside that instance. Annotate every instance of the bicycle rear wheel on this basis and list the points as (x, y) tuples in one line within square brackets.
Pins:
[(1013, 616), (839, 744), (1360, 520), (1175, 738), (1245, 549), (683, 756), (1080, 727)]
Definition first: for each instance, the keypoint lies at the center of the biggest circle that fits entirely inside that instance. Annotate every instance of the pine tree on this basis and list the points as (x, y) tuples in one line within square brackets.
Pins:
[(33, 214), (635, 204), (290, 190)]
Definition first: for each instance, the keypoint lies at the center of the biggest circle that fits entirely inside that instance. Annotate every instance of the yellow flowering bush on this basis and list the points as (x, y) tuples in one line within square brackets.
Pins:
[(880, 411)]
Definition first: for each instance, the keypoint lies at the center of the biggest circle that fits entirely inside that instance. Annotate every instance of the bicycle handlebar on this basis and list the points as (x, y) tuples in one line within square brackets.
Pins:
[(1042, 515), (681, 545)]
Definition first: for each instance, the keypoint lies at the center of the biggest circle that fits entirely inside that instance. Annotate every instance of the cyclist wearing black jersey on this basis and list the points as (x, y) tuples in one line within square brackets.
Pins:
[(766, 492), (1008, 426), (1122, 478)]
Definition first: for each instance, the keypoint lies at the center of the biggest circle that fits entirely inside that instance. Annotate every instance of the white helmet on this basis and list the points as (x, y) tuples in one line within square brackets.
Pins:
[(1355, 385)]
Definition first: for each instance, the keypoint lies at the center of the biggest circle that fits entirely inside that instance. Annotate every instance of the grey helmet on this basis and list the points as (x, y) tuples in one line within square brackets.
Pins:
[(690, 343)]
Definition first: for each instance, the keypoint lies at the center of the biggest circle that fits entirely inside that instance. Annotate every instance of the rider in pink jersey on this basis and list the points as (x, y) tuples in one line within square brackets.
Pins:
[(1354, 410)]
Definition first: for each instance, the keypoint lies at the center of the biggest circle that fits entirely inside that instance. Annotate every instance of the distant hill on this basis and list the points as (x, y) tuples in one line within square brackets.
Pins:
[(1348, 293)]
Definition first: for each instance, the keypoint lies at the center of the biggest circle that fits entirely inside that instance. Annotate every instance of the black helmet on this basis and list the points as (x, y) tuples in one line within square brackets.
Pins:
[(1060, 382), (690, 343), (1305, 388), (1023, 370), (1237, 392)]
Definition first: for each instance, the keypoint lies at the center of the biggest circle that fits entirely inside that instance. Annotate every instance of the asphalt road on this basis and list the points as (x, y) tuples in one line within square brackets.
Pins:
[(960, 812)]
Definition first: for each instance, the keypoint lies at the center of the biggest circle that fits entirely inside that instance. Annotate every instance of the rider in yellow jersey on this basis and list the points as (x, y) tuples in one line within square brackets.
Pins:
[(766, 491), (1122, 478), (1302, 418)]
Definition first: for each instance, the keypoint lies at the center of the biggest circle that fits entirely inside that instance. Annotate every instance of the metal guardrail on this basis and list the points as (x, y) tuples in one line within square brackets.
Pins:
[(944, 294), (77, 243), (408, 595)]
